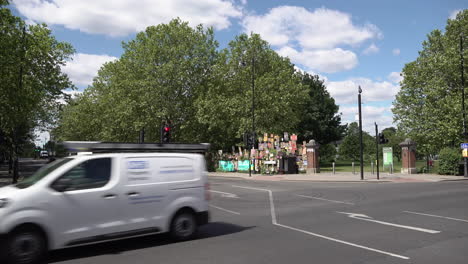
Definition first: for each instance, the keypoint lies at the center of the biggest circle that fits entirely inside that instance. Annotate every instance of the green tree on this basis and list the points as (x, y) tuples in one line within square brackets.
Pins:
[(225, 109), (394, 137), (320, 119), (349, 147), (428, 106), (159, 77), (31, 79)]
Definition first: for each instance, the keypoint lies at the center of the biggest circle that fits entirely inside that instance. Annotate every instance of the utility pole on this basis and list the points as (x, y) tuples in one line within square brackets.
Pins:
[(465, 160), (377, 144), (360, 135)]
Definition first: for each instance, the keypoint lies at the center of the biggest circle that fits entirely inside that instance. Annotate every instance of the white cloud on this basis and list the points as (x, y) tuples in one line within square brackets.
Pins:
[(320, 29), (454, 13), (396, 52), (122, 17), (313, 38), (372, 49), (395, 77), (84, 67), (328, 61), (370, 115), (346, 92)]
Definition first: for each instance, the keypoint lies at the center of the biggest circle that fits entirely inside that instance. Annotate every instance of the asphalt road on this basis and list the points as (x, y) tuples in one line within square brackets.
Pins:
[(310, 222)]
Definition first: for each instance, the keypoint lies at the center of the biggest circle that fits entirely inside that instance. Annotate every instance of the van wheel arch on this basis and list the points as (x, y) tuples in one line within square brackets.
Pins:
[(31, 239), (32, 227)]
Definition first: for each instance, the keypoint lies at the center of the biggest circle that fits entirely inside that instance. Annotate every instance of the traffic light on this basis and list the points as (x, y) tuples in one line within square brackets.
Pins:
[(249, 140), (382, 139), (166, 133)]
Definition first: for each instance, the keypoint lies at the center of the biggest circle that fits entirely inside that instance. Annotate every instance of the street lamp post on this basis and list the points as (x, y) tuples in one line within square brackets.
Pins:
[(465, 160), (253, 134), (360, 135)]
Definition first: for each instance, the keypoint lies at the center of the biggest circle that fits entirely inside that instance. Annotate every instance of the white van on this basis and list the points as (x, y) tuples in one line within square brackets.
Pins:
[(91, 198)]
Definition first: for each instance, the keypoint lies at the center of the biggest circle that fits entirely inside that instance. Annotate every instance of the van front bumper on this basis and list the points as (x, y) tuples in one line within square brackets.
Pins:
[(203, 218)]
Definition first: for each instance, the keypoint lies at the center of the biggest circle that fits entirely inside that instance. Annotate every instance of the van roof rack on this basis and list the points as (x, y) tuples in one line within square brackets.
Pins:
[(109, 147)]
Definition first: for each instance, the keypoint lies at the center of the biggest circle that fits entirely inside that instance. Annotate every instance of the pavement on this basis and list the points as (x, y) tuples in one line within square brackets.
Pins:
[(341, 177)]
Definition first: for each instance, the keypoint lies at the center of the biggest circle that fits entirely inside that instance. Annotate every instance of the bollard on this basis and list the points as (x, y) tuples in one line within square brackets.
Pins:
[(333, 165), (372, 166), (354, 172), (391, 169)]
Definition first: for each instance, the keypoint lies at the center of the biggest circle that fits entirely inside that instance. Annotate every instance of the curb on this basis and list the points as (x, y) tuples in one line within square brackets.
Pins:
[(292, 180)]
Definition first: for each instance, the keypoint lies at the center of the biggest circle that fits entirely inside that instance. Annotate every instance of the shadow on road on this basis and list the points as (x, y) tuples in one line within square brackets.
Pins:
[(210, 230)]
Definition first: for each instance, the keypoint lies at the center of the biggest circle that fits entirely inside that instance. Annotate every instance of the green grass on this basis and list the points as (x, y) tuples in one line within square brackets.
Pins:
[(346, 166)]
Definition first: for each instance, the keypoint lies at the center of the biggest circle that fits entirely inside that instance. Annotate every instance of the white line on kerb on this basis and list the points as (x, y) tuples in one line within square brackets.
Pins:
[(274, 222), (444, 217), (226, 210), (318, 198), (226, 194)]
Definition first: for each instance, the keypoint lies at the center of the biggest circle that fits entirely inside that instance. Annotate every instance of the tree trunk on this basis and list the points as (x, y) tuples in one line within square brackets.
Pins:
[(15, 171), (10, 164)]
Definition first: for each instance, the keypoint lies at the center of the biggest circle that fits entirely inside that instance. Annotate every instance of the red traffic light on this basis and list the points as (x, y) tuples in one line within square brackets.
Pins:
[(167, 128)]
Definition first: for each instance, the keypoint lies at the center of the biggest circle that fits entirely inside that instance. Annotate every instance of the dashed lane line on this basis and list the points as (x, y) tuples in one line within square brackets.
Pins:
[(438, 216), (322, 199), (225, 210)]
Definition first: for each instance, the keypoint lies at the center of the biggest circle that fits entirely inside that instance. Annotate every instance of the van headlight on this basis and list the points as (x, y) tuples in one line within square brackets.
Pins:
[(4, 202)]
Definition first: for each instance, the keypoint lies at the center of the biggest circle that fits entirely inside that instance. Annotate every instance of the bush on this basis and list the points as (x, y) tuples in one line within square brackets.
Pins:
[(449, 161)]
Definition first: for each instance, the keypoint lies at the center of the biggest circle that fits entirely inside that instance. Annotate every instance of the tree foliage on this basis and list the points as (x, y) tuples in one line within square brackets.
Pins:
[(159, 77), (225, 108), (349, 149), (175, 72), (320, 119), (31, 78), (428, 107)]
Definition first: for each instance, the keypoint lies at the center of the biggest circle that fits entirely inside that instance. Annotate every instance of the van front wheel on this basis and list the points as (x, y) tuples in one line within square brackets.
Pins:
[(183, 226), (25, 247)]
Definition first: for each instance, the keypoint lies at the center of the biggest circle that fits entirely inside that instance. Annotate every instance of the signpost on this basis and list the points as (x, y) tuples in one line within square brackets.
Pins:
[(387, 157), (464, 147)]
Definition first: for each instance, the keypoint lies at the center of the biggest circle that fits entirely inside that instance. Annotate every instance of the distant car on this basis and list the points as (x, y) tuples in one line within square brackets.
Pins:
[(91, 198), (44, 154)]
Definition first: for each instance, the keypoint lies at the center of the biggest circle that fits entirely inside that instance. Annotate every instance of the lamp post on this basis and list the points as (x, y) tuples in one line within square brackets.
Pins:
[(252, 135), (465, 160), (360, 135)]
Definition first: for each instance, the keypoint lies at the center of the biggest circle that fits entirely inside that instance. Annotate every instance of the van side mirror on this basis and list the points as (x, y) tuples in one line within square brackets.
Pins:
[(62, 184)]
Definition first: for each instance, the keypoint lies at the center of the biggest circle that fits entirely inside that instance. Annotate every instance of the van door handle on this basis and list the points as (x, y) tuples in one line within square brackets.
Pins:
[(133, 194), (109, 196)]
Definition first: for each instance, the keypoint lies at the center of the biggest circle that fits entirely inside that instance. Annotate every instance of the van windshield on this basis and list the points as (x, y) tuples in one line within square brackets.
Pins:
[(41, 173)]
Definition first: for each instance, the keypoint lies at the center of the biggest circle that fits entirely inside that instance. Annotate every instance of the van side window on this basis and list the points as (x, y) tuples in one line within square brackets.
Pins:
[(90, 174)]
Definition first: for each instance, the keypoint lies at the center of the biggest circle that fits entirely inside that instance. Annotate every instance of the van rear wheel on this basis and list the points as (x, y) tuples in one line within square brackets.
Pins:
[(25, 246), (183, 226)]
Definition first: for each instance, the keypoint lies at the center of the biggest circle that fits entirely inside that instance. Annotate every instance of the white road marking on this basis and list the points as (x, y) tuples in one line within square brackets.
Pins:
[(444, 217), (225, 194), (370, 219), (225, 210), (274, 222), (318, 198)]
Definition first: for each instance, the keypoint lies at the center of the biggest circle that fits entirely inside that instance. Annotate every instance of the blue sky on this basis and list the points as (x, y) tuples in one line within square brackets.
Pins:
[(347, 43)]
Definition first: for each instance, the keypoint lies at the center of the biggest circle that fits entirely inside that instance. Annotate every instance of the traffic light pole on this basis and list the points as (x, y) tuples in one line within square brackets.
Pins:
[(377, 144), (360, 136)]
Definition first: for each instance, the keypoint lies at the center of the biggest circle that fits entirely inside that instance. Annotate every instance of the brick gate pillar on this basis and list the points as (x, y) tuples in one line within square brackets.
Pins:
[(408, 157), (313, 157)]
